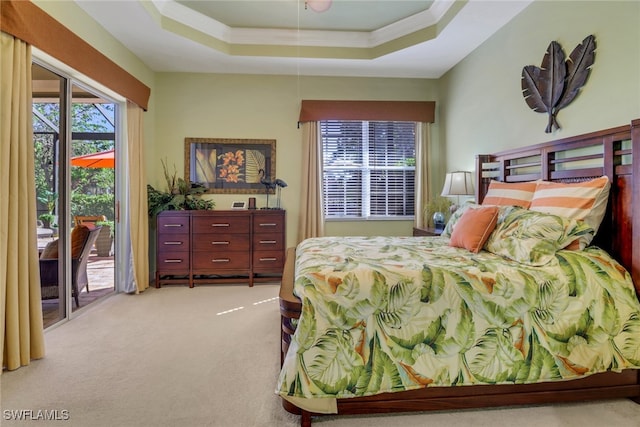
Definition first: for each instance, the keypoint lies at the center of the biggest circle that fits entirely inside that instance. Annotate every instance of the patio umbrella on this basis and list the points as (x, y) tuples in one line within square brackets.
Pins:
[(104, 159)]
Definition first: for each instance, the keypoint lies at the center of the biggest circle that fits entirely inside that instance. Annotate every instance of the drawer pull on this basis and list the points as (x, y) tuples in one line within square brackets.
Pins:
[(173, 225), (268, 259), (220, 243), (172, 243), (220, 224), (220, 260), (268, 242), (172, 261), (268, 224)]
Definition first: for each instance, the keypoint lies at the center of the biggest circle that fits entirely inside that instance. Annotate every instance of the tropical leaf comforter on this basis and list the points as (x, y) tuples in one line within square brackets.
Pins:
[(387, 314)]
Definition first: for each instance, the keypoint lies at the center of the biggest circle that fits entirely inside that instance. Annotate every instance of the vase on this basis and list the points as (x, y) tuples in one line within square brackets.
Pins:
[(438, 221)]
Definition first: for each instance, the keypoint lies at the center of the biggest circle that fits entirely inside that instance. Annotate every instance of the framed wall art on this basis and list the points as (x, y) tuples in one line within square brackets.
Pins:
[(231, 165)]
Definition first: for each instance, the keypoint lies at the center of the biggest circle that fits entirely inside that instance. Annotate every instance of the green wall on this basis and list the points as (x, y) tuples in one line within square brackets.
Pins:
[(263, 107), (482, 106)]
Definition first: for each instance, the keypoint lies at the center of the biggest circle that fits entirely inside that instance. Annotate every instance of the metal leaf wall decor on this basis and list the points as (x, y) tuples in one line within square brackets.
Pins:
[(557, 82)]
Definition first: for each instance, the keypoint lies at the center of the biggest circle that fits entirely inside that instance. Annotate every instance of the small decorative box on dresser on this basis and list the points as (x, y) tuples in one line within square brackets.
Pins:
[(220, 246)]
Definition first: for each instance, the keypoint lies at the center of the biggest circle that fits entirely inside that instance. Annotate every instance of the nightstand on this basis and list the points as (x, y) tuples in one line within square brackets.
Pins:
[(426, 231)]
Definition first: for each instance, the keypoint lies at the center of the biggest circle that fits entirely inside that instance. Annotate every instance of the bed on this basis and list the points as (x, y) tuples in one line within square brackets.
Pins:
[(467, 307)]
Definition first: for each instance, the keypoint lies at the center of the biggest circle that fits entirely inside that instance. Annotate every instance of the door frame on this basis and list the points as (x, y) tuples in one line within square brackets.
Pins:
[(122, 239)]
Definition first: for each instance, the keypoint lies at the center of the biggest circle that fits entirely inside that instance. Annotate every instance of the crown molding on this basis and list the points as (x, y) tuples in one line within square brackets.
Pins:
[(175, 17)]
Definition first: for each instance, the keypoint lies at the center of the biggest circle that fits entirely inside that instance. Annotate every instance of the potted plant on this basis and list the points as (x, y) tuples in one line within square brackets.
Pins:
[(48, 219), (180, 195), (48, 198)]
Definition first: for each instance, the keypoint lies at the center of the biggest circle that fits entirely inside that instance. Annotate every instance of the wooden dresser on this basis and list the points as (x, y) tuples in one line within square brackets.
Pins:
[(220, 246)]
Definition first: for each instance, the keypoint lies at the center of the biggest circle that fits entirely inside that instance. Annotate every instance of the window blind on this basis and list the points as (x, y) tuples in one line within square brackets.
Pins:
[(368, 169)]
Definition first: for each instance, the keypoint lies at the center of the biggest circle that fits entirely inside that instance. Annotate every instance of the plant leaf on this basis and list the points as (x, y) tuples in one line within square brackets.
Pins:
[(542, 87), (333, 364), (254, 162), (530, 91), (494, 358), (553, 73), (578, 67)]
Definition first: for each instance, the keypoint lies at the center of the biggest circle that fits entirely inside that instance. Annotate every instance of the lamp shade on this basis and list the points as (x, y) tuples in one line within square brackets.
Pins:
[(458, 183)]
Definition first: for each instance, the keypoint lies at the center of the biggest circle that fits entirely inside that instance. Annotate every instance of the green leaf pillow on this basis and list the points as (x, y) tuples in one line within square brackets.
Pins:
[(533, 238)]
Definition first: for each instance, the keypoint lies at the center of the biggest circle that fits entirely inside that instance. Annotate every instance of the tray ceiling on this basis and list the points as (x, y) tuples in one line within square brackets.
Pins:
[(365, 38)]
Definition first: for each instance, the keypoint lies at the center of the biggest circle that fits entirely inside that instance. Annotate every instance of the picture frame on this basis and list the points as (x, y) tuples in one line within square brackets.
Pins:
[(231, 165)]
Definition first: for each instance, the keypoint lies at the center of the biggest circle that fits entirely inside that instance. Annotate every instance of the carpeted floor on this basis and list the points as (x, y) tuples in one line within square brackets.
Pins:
[(100, 271), (207, 356)]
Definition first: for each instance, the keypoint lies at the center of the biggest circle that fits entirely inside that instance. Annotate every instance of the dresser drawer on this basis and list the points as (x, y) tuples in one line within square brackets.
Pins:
[(172, 261), (268, 224), (222, 261), (268, 261), (221, 224), (173, 242), (173, 224), (223, 242), (268, 242)]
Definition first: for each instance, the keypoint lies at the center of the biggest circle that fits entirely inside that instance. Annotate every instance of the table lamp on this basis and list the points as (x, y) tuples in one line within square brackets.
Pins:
[(458, 183)]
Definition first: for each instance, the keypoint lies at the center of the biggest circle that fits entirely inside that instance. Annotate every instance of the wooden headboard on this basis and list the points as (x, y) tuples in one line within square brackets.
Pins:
[(613, 152)]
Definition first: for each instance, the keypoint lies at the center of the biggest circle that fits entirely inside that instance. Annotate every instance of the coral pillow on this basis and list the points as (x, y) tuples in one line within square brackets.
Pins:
[(474, 228), (510, 193), (455, 217)]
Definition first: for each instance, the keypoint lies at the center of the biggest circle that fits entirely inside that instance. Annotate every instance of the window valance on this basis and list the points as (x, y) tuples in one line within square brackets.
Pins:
[(26, 21), (410, 111)]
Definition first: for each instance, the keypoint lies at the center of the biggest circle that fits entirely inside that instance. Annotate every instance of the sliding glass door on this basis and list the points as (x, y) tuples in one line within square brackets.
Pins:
[(50, 144), (75, 143), (93, 190)]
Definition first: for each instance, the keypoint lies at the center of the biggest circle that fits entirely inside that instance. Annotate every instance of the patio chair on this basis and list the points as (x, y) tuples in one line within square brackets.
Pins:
[(82, 239)]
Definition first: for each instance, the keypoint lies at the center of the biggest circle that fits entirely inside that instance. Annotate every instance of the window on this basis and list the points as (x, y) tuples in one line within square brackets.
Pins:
[(368, 169)]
